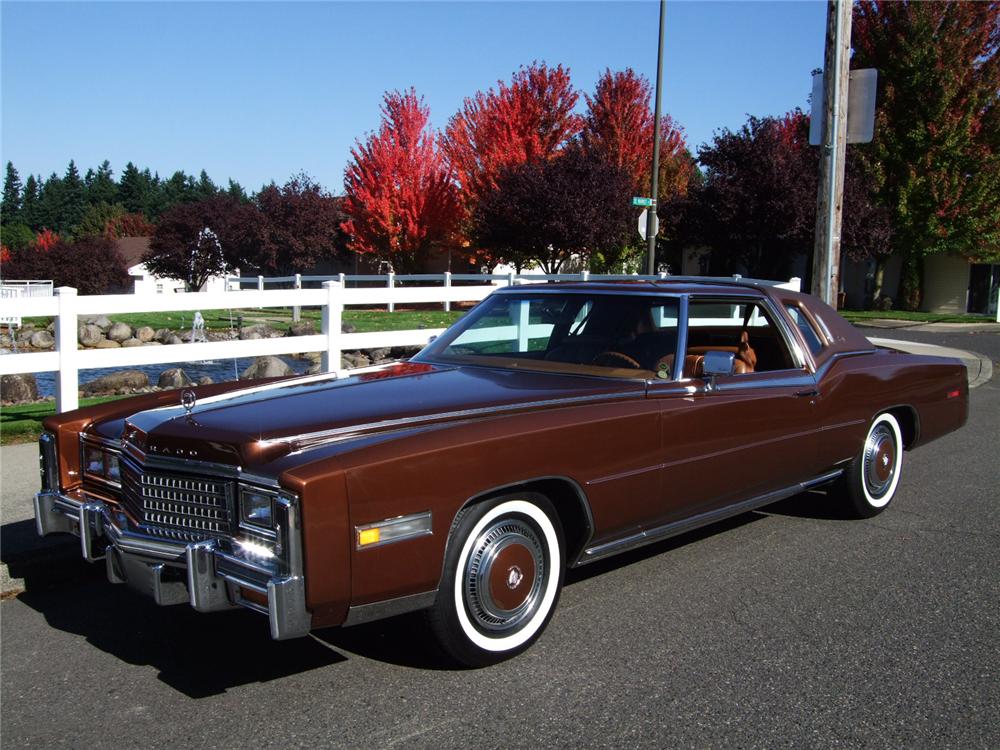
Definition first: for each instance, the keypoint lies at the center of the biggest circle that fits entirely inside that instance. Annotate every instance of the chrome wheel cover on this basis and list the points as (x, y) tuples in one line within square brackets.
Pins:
[(482, 571), (880, 460)]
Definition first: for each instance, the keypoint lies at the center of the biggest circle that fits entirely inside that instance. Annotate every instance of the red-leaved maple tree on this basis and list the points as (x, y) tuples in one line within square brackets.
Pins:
[(46, 239), (400, 198), (530, 119)]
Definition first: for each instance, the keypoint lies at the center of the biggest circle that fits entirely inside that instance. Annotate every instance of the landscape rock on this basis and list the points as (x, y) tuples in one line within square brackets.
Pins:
[(101, 321), (107, 344), (42, 340), (266, 367), (205, 380), (347, 328), (153, 343), (222, 335), (258, 331), (175, 377), (131, 342), (89, 334), (145, 334), (162, 334), (302, 328), (24, 336), (351, 360), (120, 332), (18, 388), (125, 381), (173, 338), (314, 369), (378, 354)]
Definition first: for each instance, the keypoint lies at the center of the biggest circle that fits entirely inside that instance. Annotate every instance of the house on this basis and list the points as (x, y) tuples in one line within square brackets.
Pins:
[(133, 248)]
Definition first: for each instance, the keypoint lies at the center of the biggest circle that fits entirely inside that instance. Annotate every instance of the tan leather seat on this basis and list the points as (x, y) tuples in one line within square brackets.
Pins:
[(745, 359)]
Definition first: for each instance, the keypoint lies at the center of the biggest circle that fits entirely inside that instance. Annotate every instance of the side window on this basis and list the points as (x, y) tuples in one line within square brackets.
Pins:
[(739, 326), (809, 334)]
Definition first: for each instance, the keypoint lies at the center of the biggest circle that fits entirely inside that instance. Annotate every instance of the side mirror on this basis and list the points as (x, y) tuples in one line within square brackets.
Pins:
[(717, 363)]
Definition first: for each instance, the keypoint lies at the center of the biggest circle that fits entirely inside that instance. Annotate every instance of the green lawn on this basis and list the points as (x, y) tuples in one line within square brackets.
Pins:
[(916, 317), (23, 423), (362, 320)]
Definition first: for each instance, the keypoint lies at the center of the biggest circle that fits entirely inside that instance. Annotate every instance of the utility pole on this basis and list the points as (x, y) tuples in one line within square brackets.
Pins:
[(830, 194), (651, 215)]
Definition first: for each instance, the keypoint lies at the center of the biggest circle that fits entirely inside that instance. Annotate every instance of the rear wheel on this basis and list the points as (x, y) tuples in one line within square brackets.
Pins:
[(871, 478), (502, 579)]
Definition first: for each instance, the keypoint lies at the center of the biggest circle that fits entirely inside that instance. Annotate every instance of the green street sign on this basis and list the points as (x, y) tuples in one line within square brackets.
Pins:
[(640, 201)]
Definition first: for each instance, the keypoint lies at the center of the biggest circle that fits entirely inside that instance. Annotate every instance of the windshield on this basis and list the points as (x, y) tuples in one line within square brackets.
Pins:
[(609, 335)]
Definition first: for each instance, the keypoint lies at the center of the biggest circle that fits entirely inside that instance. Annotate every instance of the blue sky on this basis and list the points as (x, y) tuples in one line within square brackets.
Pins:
[(258, 91)]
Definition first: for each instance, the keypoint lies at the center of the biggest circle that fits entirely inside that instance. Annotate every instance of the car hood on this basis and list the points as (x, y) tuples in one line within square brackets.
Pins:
[(262, 422)]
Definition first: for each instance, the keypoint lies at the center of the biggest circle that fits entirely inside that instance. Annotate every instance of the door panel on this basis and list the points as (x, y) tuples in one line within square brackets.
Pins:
[(752, 434)]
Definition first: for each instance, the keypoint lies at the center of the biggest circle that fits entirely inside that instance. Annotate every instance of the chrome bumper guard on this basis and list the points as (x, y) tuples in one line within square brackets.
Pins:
[(203, 574)]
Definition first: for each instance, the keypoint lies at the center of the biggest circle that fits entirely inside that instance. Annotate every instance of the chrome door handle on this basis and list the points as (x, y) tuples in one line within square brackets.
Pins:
[(807, 393)]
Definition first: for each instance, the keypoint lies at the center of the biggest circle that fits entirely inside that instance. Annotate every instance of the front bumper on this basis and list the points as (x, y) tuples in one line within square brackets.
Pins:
[(209, 575)]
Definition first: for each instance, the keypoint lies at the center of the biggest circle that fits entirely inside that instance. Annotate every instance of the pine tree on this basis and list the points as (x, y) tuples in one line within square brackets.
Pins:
[(74, 200), (50, 202), (102, 188), (10, 210), (133, 189), (29, 203)]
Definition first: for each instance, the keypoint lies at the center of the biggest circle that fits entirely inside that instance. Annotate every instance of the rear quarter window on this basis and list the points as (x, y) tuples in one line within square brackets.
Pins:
[(809, 334)]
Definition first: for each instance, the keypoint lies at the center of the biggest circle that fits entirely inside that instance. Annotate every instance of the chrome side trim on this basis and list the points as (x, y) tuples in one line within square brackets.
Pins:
[(338, 434), (648, 536), (389, 608)]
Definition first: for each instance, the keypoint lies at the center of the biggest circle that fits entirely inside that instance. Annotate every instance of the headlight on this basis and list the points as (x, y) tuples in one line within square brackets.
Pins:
[(257, 508), (101, 464)]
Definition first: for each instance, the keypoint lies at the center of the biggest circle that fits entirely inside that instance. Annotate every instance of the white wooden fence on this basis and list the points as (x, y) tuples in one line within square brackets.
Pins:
[(67, 308)]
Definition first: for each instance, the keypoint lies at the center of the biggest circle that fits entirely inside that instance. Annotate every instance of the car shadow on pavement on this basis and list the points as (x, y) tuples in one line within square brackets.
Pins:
[(197, 654), (820, 505)]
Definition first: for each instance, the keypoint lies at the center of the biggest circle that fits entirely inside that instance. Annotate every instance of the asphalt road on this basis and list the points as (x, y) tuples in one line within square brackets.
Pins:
[(791, 627)]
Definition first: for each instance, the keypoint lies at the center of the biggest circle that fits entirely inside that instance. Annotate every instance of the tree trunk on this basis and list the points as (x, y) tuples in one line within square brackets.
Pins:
[(911, 281), (880, 264)]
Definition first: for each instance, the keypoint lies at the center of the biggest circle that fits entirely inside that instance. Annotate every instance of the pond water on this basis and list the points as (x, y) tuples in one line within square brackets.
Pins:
[(219, 371)]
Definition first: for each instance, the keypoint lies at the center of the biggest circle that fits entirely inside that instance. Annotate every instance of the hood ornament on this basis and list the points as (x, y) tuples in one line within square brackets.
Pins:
[(188, 400)]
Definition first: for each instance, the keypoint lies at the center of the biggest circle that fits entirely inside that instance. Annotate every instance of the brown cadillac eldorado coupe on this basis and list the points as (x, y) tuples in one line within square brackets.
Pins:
[(552, 426)]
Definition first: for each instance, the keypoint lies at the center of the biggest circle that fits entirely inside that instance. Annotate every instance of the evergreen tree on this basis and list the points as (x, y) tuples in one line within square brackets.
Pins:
[(206, 188), (50, 202), (10, 210), (102, 188), (29, 203), (133, 189), (179, 188), (236, 191), (74, 200)]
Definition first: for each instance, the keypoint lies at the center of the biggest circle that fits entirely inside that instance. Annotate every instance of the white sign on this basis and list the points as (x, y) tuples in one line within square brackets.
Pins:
[(861, 91), (643, 218)]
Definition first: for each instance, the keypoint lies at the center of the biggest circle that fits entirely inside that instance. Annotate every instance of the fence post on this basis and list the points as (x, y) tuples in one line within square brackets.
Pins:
[(260, 283), (447, 285), (342, 278), (333, 312), (998, 306), (296, 310), (390, 284), (67, 379), (584, 275), (510, 278)]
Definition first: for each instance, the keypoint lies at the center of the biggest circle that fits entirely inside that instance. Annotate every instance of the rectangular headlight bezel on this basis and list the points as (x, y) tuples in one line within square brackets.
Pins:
[(99, 463), (260, 498)]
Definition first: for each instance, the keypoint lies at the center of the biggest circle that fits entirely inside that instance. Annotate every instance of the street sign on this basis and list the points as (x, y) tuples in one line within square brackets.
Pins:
[(640, 201), (861, 89), (643, 218)]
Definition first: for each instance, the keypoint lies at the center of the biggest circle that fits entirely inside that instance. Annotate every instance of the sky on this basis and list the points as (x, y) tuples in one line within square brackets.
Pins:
[(258, 91)]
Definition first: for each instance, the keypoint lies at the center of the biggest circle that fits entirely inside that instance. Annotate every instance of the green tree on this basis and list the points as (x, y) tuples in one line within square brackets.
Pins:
[(135, 189), (98, 218), (29, 202), (101, 188), (15, 236), (935, 159), (74, 200), (50, 200), (10, 210)]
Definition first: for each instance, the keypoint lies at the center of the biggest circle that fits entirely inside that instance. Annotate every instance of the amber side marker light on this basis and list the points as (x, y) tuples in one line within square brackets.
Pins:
[(393, 530)]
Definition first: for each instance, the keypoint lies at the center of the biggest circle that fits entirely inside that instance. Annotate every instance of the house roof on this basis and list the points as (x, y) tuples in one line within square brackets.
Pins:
[(133, 248)]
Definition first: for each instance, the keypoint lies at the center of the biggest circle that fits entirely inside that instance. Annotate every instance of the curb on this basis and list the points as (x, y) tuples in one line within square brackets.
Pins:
[(978, 366)]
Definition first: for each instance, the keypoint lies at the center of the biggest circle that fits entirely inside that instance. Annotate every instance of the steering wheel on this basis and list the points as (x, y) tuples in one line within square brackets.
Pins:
[(615, 359)]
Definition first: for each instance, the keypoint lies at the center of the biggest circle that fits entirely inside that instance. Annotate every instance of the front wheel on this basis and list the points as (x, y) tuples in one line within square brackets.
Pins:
[(502, 578), (870, 481)]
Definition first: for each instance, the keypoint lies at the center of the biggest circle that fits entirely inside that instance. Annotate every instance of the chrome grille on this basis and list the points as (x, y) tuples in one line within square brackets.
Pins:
[(180, 505)]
